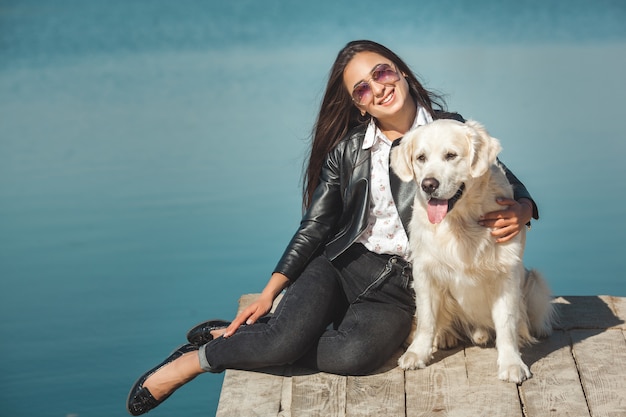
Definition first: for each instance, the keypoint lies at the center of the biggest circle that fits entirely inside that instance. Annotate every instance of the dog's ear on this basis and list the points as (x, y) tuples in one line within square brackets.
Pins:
[(484, 149), (401, 158)]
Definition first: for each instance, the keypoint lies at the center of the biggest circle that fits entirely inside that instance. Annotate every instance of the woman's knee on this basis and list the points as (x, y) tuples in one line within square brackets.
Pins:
[(352, 362), (365, 345)]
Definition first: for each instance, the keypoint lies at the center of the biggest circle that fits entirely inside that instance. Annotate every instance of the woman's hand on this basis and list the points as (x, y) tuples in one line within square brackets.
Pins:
[(250, 314), (508, 222), (261, 306)]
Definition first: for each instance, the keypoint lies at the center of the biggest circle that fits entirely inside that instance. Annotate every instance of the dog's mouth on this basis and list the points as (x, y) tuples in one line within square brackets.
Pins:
[(438, 208)]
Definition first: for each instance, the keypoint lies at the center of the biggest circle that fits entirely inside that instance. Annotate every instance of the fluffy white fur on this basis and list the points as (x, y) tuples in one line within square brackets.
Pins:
[(466, 284)]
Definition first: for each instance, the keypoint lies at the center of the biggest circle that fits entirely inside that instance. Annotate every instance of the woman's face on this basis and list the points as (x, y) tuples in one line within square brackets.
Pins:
[(383, 99)]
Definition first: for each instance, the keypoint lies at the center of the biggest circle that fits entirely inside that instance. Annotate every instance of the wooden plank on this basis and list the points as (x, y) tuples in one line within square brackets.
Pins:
[(318, 394), (462, 382), (601, 361), (250, 394), (619, 308), (583, 312), (380, 394), (487, 395), (440, 388), (554, 390), (286, 395)]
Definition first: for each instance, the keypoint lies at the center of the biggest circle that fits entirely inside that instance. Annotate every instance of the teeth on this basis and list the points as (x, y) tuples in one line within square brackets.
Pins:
[(386, 100)]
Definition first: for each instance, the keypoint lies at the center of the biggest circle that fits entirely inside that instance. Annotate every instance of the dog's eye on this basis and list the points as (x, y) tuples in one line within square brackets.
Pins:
[(450, 156), (421, 158)]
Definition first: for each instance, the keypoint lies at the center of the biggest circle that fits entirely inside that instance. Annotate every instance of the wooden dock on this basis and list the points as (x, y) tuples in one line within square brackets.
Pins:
[(579, 371)]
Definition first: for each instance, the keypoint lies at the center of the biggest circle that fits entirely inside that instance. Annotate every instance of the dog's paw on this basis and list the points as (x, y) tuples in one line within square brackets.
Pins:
[(516, 373), (411, 360), (445, 340), (480, 336)]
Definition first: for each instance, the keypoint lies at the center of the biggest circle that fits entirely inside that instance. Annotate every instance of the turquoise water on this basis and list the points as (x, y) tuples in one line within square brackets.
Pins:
[(151, 152)]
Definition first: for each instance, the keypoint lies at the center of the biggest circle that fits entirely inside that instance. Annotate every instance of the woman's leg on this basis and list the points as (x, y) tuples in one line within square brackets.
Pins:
[(174, 375), (377, 321), (154, 386), (308, 306), (369, 335)]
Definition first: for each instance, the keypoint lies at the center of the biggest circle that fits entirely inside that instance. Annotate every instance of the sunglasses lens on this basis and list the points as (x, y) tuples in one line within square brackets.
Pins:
[(361, 93), (385, 74)]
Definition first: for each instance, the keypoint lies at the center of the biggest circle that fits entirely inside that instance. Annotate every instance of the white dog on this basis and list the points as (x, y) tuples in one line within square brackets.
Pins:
[(466, 284)]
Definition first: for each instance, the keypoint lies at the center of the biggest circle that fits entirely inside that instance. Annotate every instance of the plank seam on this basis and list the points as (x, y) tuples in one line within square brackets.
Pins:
[(406, 405), (520, 396), (580, 379)]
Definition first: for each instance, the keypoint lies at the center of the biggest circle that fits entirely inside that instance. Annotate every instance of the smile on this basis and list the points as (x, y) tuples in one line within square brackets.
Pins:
[(388, 98)]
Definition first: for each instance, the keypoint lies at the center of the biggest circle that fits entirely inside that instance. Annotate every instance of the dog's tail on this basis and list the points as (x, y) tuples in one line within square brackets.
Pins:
[(539, 307)]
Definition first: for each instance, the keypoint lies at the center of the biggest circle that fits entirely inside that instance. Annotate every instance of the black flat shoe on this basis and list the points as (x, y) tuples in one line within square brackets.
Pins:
[(140, 400), (201, 334)]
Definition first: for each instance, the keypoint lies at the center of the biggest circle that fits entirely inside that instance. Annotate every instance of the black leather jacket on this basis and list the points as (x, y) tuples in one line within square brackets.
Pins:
[(339, 207)]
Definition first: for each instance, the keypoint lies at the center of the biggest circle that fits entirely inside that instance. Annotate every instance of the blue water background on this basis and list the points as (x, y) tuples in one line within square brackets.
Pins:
[(151, 155)]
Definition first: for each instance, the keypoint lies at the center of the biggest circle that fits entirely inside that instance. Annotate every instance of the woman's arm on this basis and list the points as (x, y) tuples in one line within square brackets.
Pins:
[(315, 227), (319, 221), (520, 192), (516, 213), (508, 222)]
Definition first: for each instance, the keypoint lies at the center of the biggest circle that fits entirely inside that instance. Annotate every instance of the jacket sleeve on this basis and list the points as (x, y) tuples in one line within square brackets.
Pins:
[(318, 222), (519, 190)]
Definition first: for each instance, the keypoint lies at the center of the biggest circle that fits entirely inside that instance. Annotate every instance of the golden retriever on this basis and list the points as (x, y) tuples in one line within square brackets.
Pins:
[(466, 285)]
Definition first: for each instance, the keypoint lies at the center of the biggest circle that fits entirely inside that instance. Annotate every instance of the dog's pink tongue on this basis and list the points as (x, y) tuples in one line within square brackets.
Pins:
[(437, 210)]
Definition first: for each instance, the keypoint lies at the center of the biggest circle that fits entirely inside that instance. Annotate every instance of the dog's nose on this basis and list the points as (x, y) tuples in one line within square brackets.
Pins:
[(429, 185)]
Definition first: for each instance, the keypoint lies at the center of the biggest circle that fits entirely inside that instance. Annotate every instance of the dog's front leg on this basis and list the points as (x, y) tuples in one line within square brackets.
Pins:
[(506, 311), (428, 303)]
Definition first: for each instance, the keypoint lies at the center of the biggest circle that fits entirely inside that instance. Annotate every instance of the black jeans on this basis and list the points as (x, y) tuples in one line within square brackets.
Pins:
[(345, 317)]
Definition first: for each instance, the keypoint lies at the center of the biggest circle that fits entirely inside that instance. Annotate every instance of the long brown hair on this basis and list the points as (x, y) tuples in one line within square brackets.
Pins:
[(338, 114)]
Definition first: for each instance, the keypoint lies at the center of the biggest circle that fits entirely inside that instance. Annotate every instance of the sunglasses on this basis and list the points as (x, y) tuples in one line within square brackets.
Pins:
[(381, 74)]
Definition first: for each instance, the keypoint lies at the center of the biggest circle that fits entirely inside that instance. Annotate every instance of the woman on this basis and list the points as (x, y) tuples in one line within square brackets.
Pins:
[(347, 263)]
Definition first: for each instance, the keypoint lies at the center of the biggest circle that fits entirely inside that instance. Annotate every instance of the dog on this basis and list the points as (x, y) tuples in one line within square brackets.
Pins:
[(466, 285)]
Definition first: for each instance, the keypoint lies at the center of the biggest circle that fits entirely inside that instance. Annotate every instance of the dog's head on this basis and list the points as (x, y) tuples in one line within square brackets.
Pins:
[(442, 158)]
